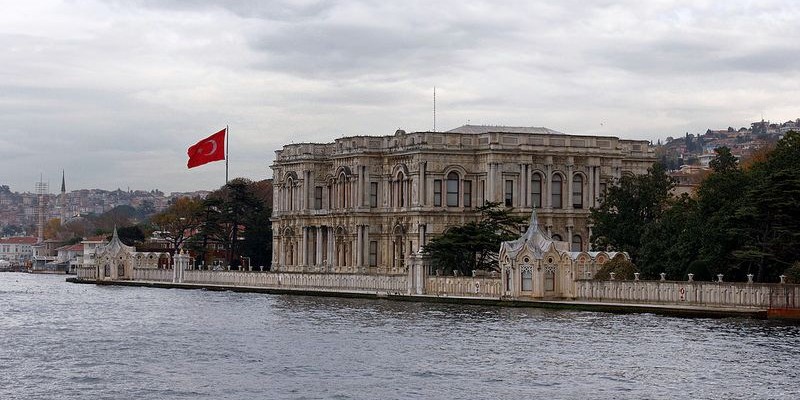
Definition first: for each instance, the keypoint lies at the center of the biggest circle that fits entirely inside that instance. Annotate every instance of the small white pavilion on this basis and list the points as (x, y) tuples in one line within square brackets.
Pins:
[(537, 266)]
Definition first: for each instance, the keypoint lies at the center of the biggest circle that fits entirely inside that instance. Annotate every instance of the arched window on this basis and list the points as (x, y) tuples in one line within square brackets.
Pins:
[(577, 191), (343, 197), (557, 238), (557, 186), (549, 279), (289, 194), (577, 243), (536, 190), (452, 189), (527, 278), (401, 190)]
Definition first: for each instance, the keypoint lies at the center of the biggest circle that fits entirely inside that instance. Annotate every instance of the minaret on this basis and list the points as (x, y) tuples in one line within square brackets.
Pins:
[(63, 202)]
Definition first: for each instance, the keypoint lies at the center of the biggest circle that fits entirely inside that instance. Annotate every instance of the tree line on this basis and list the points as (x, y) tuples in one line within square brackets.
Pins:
[(743, 218), (232, 224)]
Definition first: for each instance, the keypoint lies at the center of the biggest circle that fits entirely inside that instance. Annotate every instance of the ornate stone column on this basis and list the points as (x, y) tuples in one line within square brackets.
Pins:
[(331, 247), (421, 182), (304, 248), (547, 201), (359, 246), (570, 168), (318, 258), (490, 196)]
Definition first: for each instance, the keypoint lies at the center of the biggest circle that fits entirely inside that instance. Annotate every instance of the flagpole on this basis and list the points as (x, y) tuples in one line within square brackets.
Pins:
[(227, 149)]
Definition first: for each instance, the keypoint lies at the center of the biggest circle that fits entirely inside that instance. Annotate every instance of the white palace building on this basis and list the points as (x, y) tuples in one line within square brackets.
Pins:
[(365, 204)]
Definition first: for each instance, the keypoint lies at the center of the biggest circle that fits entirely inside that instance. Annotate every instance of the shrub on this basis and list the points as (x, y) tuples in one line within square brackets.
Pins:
[(793, 273), (623, 270)]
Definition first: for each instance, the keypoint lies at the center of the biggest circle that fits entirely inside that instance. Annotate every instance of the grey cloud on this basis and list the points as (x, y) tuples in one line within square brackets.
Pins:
[(289, 11)]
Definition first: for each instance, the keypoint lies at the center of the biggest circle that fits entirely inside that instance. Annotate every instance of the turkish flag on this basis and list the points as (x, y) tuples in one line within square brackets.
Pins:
[(207, 150)]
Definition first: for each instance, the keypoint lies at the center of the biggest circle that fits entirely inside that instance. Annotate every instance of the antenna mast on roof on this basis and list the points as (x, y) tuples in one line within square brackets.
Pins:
[(434, 108)]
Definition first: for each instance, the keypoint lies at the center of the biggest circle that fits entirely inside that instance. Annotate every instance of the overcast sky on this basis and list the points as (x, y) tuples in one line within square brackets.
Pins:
[(114, 92)]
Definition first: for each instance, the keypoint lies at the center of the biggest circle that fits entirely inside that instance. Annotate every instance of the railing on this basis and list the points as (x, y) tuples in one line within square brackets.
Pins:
[(720, 294), (463, 286)]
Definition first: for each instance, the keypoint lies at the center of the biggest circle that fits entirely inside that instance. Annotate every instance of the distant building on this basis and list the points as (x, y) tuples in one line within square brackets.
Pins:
[(44, 256), (17, 250), (365, 203), (69, 257)]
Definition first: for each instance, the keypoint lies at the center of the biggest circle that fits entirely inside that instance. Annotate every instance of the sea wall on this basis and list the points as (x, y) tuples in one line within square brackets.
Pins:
[(716, 294), (463, 286), (296, 280), (699, 294)]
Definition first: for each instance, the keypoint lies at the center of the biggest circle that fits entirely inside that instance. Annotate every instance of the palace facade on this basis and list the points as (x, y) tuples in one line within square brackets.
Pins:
[(365, 204)]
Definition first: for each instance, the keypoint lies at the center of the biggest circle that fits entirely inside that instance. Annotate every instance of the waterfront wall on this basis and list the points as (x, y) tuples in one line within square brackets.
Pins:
[(294, 280), (463, 286), (716, 294), (704, 294)]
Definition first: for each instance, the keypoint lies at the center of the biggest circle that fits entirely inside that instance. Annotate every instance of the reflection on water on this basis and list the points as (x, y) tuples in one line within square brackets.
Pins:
[(60, 340)]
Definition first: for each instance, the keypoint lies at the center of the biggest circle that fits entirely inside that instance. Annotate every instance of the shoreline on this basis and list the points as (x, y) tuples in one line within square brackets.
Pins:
[(685, 311)]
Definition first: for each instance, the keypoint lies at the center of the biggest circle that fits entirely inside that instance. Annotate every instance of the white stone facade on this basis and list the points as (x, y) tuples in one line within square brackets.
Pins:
[(537, 266), (117, 261), (366, 203)]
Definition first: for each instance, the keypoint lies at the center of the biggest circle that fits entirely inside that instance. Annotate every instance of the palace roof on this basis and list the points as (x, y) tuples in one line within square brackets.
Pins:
[(479, 129)]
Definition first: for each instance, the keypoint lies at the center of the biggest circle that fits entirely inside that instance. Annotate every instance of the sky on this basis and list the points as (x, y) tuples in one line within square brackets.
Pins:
[(114, 92)]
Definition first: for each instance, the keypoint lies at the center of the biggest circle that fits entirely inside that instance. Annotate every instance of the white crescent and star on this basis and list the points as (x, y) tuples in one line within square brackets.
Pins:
[(213, 147)]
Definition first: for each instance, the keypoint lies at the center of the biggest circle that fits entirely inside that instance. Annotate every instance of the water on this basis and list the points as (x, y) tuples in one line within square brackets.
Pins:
[(67, 341)]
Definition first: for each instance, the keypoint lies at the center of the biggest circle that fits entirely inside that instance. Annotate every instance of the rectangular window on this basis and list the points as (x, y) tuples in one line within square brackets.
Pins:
[(318, 197), (373, 253), (452, 192), (373, 194), (437, 192), (556, 192), (536, 191), (509, 193), (482, 192), (467, 193), (577, 194)]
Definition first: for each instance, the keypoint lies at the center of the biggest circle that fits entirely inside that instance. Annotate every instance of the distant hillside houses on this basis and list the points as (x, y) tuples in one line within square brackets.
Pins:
[(688, 157), (18, 210)]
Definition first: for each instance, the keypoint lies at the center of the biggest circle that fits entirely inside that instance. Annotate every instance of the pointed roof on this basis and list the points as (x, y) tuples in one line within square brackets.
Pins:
[(63, 182), (534, 240), (115, 246)]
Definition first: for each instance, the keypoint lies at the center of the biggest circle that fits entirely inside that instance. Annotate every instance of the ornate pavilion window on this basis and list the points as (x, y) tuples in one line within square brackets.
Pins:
[(526, 273), (549, 278)]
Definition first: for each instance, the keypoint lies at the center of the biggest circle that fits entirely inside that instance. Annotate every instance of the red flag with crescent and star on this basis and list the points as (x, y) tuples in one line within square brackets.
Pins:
[(207, 150)]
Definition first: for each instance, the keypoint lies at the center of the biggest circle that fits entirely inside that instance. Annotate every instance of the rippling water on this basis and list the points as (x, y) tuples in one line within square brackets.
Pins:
[(67, 341)]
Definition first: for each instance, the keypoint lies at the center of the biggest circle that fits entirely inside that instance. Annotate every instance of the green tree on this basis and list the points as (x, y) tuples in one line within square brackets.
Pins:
[(670, 245), (629, 208), (131, 235), (178, 221), (474, 245), (241, 210), (768, 219)]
